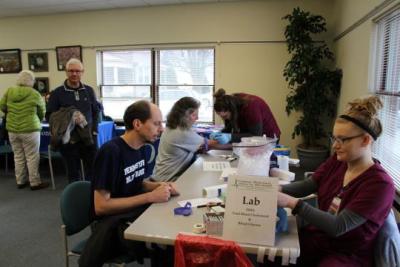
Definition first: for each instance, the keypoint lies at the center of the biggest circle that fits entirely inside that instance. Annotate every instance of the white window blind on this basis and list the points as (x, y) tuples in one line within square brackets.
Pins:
[(128, 76), (387, 85), (186, 72)]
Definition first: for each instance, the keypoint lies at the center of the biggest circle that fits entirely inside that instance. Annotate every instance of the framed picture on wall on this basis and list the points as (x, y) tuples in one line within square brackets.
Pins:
[(10, 61), (42, 85), (38, 62), (65, 53)]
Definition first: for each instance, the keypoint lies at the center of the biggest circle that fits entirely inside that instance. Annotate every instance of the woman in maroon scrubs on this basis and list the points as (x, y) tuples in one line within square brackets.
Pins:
[(245, 115), (355, 194)]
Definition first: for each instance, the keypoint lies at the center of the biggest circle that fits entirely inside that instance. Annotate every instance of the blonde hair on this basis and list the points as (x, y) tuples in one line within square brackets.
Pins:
[(365, 111), (26, 78)]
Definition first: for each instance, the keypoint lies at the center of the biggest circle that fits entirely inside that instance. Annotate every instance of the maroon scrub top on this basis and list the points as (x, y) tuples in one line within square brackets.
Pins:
[(370, 195), (257, 111)]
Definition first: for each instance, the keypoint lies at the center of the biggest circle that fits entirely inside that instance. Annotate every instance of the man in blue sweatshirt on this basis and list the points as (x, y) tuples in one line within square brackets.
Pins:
[(81, 96)]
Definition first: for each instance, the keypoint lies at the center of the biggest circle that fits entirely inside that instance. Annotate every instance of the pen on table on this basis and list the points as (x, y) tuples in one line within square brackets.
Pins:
[(211, 205)]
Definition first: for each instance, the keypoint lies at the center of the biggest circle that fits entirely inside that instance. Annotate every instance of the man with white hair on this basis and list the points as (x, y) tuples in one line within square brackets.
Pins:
[(73, 93), (24, 108)]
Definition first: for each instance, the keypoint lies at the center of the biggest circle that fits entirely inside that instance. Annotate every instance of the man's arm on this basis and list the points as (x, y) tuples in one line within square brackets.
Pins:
[(95, 111), (41, 108), (150, 185), (52, 105), (104, 204)]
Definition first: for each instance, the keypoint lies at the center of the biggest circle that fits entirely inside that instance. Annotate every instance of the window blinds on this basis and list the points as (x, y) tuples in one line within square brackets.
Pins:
[(387, 86)]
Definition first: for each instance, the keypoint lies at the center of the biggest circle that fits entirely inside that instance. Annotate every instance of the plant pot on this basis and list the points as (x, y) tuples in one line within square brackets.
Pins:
[(311, 157)]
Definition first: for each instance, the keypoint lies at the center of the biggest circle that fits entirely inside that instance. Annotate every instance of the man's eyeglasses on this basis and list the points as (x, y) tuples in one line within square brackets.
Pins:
[(75, 71), (342, 140)]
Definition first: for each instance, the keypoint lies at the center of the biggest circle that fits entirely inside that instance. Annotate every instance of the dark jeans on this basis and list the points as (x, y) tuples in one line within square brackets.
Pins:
[(107, 240), (72, 154)]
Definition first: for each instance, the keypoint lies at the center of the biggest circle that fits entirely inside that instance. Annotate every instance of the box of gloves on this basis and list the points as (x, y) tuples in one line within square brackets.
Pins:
[(213, 223)]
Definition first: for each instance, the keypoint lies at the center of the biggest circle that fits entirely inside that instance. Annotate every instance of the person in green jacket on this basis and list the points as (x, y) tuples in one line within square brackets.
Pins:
[(25, 109)]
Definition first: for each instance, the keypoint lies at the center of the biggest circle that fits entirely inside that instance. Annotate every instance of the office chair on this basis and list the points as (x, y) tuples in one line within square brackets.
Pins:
[(75, 213)]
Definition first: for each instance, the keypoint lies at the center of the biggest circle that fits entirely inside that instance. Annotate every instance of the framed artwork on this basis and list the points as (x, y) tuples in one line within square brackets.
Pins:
[(65, 53), (38, 62), (42, 85), (10, 61)]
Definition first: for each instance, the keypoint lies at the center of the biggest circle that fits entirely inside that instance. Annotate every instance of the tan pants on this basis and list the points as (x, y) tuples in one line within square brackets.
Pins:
[(26, 156)]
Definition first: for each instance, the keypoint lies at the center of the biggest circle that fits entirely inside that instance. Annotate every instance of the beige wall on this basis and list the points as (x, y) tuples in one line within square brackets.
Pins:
[(253, 68), (347, 12), (353, 51)]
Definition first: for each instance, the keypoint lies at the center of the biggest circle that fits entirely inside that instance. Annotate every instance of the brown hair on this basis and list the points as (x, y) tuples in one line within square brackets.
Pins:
[(180, 112), (365, 111), (231, 103), (139, 110)]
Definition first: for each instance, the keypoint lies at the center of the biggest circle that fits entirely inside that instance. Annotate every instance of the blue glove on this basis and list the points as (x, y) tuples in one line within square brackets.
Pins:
[(221, 138), (282, 224), (213, 135)]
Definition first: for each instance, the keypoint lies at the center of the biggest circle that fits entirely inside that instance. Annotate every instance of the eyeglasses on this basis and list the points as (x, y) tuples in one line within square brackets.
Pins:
[(75, 71), (342, 140)]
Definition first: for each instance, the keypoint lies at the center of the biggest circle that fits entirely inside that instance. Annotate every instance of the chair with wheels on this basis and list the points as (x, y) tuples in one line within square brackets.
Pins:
[(75, 206)]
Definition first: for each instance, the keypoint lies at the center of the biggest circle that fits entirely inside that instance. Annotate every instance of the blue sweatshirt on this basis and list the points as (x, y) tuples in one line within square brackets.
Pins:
[(82, 98)]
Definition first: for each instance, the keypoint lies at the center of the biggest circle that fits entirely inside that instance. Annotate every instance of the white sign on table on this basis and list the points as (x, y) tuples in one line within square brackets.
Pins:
[(250, 211)]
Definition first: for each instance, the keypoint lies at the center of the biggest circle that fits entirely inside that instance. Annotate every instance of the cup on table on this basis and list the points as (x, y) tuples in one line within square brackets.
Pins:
[(283, 162)]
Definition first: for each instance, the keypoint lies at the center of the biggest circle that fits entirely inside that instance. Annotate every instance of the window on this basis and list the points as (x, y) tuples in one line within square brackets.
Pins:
[(386, 84), (128, 76), (188, 72)]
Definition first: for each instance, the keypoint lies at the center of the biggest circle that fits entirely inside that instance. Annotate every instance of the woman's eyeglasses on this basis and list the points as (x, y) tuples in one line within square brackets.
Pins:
[(342, 140)]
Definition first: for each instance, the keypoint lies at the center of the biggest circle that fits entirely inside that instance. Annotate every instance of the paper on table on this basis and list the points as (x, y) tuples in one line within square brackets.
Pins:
[(215, 165), (199, 201), (226, 172)]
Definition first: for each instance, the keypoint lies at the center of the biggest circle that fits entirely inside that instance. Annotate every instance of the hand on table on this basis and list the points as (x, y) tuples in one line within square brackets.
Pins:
[(286, 201), (172, 189), (161, 193)]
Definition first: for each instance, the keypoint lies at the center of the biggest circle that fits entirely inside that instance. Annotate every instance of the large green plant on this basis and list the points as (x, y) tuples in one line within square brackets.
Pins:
[(314, 87)]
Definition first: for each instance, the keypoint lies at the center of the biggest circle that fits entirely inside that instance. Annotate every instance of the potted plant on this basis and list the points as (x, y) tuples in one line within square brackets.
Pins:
[(314, 86)]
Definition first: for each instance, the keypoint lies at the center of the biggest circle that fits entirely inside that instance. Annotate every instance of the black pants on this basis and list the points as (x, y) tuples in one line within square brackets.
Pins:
[(107, 240), (72, 154)]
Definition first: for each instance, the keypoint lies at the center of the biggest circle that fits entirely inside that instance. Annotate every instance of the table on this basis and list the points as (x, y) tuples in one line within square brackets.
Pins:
[(150, 228), (105, 133)]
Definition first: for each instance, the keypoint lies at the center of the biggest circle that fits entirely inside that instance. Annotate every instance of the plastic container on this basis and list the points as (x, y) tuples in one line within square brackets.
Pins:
[(254, 155)]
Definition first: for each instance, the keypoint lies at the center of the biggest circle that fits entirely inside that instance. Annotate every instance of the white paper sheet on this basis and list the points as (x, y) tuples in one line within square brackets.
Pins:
[(226, 172), (215, 165)]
